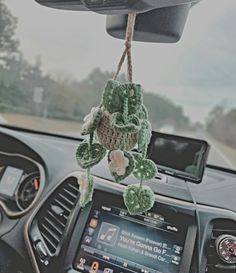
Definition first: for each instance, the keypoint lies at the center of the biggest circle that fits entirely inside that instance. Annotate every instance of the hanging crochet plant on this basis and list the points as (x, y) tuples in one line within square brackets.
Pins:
[(119, 124)]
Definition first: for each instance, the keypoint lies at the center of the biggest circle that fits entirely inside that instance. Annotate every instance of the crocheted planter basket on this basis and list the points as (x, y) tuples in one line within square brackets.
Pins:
[(112, 138)]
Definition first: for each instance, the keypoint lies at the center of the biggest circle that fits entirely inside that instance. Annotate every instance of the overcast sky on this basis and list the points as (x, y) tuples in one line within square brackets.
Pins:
[(197, 73)]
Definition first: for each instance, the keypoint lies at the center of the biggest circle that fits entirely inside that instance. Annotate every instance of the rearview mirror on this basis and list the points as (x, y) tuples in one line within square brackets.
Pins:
[(113, 6), (163, 25), (158, 21)]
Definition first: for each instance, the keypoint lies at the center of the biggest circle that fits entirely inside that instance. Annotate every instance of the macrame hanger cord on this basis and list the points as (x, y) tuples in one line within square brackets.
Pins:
[(118, 124), (127, 50)]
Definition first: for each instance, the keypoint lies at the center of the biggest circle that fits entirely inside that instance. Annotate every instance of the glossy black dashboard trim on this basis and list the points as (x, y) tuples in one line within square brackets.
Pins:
[(25, 130), (222, 169), (209, 213)]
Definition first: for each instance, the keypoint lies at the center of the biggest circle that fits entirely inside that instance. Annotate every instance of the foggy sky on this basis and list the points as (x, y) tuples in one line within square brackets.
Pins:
[(196, 73)]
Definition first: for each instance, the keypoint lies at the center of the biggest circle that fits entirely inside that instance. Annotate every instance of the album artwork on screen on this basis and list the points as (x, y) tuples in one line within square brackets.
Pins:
[(179, 156)]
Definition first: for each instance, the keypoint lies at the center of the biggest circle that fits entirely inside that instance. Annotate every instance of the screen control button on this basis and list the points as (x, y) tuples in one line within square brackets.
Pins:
[(81, 264), (94, 267), (93, 223), (126, 264), (176, 260)]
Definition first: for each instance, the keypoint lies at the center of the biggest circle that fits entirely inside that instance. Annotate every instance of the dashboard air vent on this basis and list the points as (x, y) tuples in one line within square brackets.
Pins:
[(54, 217), (214, 263)]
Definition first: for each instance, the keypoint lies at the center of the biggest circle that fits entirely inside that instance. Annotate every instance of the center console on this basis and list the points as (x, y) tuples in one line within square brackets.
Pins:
[(104, 238), (113, 241)]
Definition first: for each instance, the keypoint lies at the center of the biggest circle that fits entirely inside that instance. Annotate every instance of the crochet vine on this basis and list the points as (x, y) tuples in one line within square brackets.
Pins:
[(117, 125)]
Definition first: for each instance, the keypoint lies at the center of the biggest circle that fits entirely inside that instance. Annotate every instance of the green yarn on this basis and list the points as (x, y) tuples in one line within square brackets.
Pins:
[(145, 169), (89, 155), (138, 199), (130, 125), (121, 118), (143, 112), (86, 195), (126, 109), (133, 92), (126, 123), (128, 169), (144, 136), (113, 99)]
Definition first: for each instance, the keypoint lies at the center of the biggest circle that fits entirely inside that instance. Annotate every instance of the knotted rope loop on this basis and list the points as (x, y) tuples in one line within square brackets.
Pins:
[(127, 50)]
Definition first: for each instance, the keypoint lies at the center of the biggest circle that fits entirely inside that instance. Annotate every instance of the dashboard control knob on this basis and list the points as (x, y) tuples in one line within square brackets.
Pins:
[(226, 248)]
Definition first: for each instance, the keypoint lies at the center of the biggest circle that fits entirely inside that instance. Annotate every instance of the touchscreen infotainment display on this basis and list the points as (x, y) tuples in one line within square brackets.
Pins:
[(114, 241)]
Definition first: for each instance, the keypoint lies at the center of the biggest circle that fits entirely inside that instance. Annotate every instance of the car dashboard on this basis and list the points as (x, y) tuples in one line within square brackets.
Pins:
[(191, 228)]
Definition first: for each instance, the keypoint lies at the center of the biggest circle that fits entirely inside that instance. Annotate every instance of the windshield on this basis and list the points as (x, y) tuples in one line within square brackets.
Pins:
[(54, 64)]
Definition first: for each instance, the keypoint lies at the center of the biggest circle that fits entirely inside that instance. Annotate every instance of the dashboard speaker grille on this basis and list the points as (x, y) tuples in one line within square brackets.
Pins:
[(55, 215)]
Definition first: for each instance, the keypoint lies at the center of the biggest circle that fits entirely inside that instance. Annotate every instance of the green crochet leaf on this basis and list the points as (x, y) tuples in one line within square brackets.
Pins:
[(86, 191), (115, 93), (134, 94), (144, 169), (128, 169), (113, 99), (92, 122), (138, 199), (131, 125), (88, 156), (143, 112), (144, 135)]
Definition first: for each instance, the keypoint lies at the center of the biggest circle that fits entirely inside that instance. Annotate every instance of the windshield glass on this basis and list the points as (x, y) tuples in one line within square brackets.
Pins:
[(54, 64)]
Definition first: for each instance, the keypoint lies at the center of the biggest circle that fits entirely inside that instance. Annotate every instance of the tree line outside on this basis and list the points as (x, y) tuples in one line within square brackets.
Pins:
[(63, 98), (221, 125)]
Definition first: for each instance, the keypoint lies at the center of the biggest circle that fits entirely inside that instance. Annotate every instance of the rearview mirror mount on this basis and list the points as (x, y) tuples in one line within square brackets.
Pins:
[(163, 25)]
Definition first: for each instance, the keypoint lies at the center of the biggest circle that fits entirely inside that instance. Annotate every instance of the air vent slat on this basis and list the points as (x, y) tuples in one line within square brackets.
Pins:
[(56, 212), (66, 199), (53, 226), (57, 220), (51, 233), (70, 193), (50, 244), (74, 188), (63, 206)]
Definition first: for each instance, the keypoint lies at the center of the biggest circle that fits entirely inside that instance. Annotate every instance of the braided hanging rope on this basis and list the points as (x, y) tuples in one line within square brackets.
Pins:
[(119, 124), (127, 51)]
